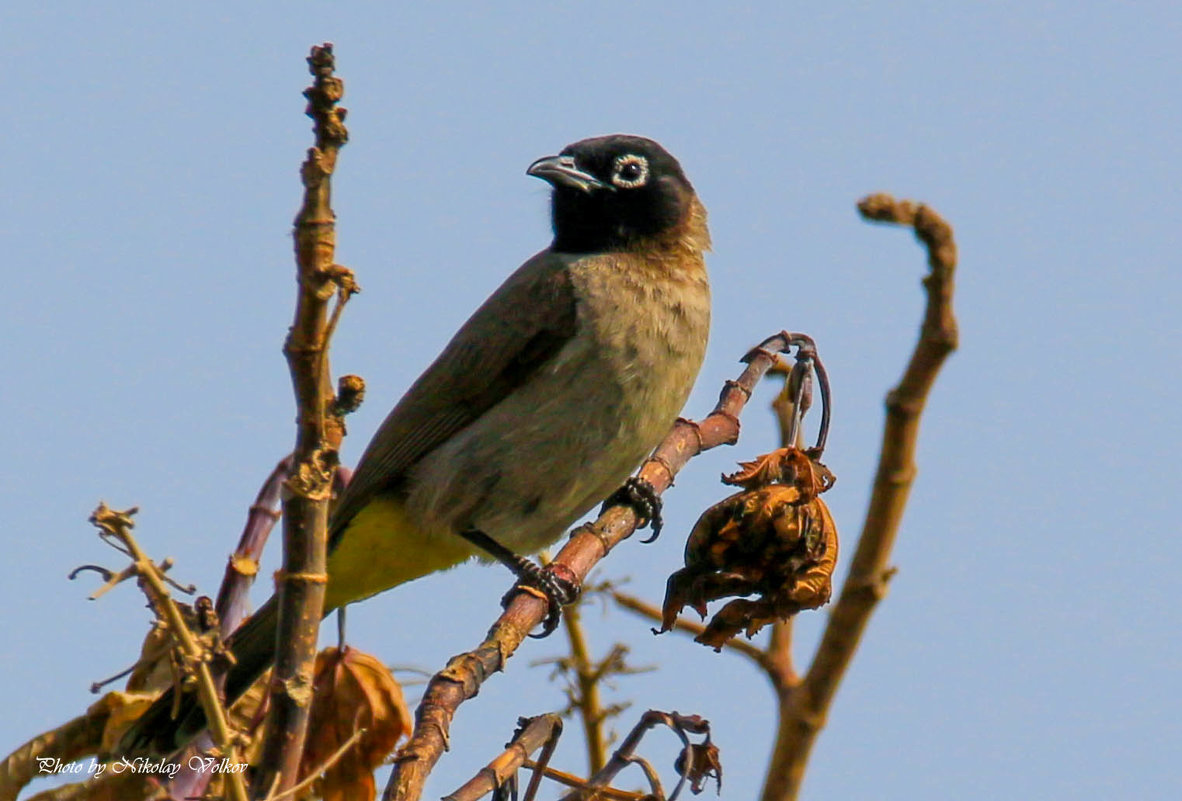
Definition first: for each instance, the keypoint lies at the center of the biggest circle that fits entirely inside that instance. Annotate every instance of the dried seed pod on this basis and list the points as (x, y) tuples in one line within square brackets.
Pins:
[(776, 540)]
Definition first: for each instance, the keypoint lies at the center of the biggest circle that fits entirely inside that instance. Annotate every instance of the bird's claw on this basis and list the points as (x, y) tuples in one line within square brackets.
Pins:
[(556, 584), (641, 496)]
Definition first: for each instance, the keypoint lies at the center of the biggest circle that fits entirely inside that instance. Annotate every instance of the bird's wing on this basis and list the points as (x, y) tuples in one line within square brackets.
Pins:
[(505, 342)]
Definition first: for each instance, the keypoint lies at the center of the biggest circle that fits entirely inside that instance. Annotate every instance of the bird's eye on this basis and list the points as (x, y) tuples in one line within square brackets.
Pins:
[(630, 171)]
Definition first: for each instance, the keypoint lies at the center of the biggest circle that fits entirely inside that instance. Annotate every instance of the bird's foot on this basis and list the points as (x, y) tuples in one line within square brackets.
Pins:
[(641, 496), (553, 583)]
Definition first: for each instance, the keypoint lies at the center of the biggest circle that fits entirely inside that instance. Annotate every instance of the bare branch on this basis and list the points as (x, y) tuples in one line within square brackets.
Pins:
[(301, 582)]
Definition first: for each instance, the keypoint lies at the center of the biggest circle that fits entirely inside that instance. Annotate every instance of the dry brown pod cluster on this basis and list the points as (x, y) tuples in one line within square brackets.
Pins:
[(776, 540)]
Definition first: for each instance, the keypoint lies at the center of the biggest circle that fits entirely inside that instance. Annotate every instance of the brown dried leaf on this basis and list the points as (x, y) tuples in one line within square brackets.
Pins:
[(759, 472), (784, 466), (704, 763), (353, 690)]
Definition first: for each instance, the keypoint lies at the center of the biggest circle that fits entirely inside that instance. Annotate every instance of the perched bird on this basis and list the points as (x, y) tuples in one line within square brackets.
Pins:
[(541, 405)]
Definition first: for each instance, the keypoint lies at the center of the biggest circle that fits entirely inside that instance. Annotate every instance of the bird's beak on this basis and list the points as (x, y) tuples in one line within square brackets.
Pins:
[(561, 171)]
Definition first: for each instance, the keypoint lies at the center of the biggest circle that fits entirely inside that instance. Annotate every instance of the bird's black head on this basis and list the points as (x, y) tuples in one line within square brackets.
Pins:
[(614, 192)]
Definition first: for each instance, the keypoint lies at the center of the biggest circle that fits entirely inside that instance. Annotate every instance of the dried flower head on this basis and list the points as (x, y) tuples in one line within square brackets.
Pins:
[(775, 540)]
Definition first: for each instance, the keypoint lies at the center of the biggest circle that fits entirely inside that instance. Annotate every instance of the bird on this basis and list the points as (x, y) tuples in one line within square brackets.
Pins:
[(541, 405)]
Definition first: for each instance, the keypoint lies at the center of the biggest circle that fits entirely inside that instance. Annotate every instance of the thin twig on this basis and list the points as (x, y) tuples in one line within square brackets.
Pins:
[(535, 733), (683, 624), (588, 544), (540, 765), (586, 679), (315, 773), (778, 663), (577, 782), (626, 753), (803, 709), (97, 686), (650, 773)]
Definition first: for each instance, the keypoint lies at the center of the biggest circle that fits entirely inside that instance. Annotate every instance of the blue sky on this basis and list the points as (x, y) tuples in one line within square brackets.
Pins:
[(1030, 641)]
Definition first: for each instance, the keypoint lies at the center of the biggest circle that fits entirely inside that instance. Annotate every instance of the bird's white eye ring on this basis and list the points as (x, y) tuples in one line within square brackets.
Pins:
[(629, 172)]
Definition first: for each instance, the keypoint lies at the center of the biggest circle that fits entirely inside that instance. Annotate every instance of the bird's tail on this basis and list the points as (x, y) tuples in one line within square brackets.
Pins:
[(158, 732)]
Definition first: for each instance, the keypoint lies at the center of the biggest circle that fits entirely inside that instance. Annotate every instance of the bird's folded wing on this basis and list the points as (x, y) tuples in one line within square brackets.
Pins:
[(506, 341)]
